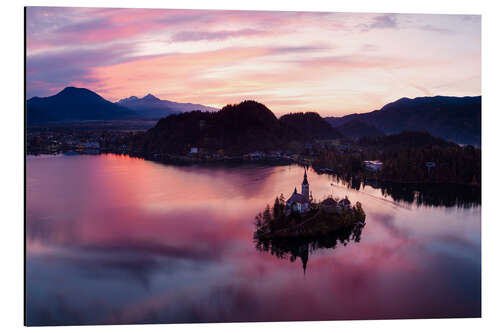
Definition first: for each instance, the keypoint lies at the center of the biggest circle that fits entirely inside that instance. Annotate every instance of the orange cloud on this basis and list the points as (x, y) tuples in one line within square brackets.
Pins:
[(163, 73)]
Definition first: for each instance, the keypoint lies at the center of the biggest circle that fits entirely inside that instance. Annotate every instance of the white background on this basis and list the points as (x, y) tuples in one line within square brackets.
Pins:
[(12, 182)]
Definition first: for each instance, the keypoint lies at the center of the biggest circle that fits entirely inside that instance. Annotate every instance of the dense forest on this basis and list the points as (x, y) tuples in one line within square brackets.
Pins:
[(356, 129), (409, 157), (304, 126), (403, 140)]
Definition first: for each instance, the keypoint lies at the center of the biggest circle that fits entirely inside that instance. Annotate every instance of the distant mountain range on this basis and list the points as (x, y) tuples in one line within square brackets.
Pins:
[(80, 104), (457, 119), (236, 129), (154, 108), (74, 104)]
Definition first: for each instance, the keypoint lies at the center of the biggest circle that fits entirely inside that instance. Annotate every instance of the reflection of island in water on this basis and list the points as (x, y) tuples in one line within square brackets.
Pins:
[(294, 248), (300, 225)]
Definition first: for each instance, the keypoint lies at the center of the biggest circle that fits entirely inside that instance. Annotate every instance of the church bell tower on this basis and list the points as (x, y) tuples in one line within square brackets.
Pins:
[(305, 186)]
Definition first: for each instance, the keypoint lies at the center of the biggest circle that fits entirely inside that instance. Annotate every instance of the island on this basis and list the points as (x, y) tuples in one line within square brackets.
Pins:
[(301, 216), (299, 225)]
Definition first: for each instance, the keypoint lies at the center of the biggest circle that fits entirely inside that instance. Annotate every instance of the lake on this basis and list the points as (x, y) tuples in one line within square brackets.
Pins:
[(112, 239)]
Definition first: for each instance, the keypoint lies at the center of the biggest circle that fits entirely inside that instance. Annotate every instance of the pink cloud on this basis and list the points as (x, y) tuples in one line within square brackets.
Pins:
[(186, 36)]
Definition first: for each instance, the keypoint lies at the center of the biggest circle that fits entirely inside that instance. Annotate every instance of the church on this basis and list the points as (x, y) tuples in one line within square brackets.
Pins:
[(300, 202)]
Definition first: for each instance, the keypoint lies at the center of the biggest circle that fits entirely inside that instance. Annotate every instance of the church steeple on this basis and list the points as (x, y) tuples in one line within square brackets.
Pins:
[(304, 256), (305, 186)]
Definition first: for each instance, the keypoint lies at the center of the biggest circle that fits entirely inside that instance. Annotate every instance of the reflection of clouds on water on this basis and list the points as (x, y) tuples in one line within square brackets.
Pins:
[(388, 222), (119, 240)]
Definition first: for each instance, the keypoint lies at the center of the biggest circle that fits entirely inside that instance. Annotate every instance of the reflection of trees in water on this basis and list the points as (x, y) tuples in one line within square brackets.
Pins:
[(448, 195), (293, 248)]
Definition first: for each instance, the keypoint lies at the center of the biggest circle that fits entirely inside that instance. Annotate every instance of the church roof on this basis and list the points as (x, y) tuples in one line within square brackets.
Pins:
[(298, 198)]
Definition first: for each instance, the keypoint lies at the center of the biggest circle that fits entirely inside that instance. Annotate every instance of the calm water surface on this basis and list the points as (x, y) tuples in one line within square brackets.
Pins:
[(113, 239)]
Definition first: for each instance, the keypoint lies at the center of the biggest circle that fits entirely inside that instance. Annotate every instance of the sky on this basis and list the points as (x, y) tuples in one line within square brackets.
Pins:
[(330, 63)]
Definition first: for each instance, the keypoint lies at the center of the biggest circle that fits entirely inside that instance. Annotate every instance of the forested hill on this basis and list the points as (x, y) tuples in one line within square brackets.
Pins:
[(355, 129), (457, 119), (404, 140), (236, 129), (305, 126)]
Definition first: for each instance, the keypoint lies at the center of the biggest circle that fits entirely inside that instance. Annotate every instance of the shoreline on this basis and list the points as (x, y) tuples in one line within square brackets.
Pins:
[(187, 160)]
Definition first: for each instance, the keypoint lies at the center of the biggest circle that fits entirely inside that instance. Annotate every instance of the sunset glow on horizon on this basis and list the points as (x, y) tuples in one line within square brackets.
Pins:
[(331, 63)]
